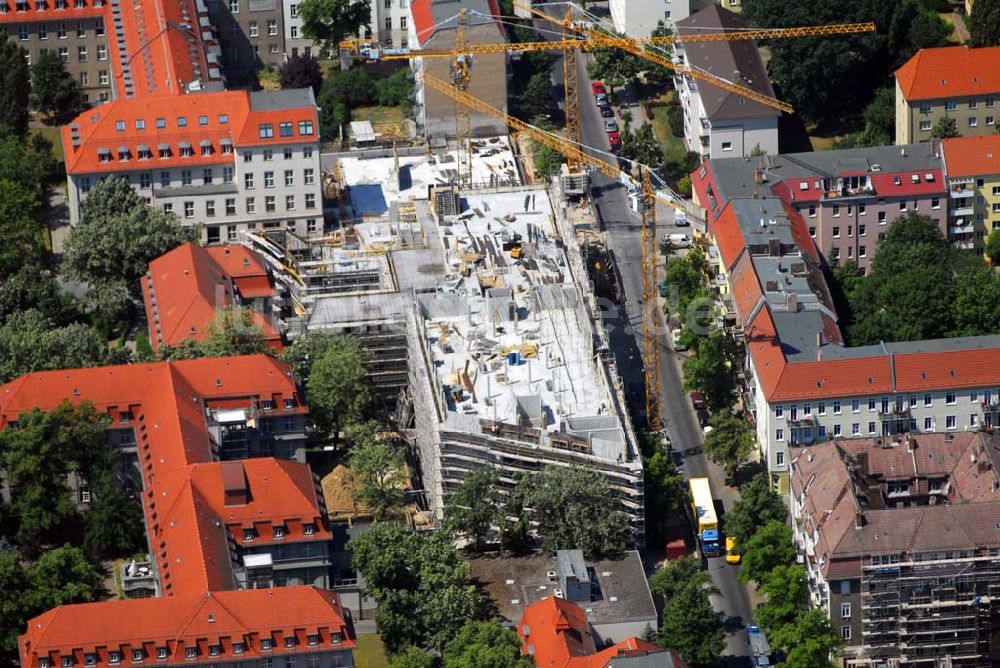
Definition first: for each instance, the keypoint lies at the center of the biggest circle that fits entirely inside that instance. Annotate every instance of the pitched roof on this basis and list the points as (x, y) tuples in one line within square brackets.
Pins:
[(950, 71), (184, 287), (194, 620), (972, 156), (556, 634), (737, 61), (432, 16)]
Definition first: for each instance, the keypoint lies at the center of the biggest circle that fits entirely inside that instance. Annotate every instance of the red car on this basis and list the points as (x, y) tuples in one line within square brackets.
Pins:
[(597, 87), (614, 139)]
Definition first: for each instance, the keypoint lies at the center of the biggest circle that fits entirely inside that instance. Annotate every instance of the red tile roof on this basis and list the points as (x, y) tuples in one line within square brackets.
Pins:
[(190, 283), (426, 22), (556, 634), (950, 71), (972, 156), (36, 10), (196, 620)]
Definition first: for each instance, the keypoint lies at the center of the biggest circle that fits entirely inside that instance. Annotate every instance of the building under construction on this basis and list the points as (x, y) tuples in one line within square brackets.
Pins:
[(900, 537), (474, 305)]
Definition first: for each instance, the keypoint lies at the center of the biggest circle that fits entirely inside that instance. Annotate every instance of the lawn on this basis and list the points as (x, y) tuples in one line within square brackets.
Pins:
[(673, 147), (52, 134), (370, 653)]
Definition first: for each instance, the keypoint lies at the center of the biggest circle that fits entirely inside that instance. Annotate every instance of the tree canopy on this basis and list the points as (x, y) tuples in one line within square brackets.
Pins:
[(15, 88), (771, 546), (786, 592), (992, 246), (54, 90), (378, 467), (32, 341), (677, 574), (945, 127), (232, 331), (329, 22), (758, 505), (729, 443), (337, 383), (809, 640), (412, 657), (301, 71), (476, 507), (984, 23), (485, 644), (710, 371), (21, 225), (691, 627)]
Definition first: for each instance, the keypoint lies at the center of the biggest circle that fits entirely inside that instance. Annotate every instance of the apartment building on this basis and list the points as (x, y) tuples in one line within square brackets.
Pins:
[(639, 18), (225, 161), (302, 627), (953, 81), (717, 122), (803, 385), (899, 540), (74, 29), (847, 197), (973, 189), (251, 35), (186, 287), (434, 26)]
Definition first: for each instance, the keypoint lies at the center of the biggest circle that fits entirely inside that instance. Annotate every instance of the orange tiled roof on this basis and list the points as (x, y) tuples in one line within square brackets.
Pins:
[(12, 11), (972, 156), (950, 71), (181, 622), (190, 283)]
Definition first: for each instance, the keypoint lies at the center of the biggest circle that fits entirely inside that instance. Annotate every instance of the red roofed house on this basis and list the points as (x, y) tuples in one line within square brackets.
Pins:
[(184, 289), (434, 27), (555, 633), (973, 166), (301, 627), (953, 81)]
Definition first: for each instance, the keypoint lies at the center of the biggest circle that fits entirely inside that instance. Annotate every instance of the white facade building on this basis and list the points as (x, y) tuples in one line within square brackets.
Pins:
[(638, 18)]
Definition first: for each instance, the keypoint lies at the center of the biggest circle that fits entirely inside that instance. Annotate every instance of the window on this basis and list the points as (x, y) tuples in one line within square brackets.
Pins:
[(210, 208), (265, 130), (973, 104), (81, 54), (190, 652), (836, 407), (237, 648), (168, 207), (251, 205), (973, 121), (308, 529), (61, 30), (779, 458), (311, 225), (928, 400), (855, 405), (67, 661), (186, 177), (64, 54), (779, 434), (213, 650), (268, 155), (308, 176), (266, 644), (293, 10), (812, 214), (949, 398), (990, 120), (182, 121), (973, 419), (727, 146), (248, 181), (388, 23), (42, 31), (189, 209), (881, 215), (289, 202), (950, 105), (312, 639), (779, 412), (81, 29), (928, 424), (114, 657), (268, 179), (206, 176), (836, 232), (310, 200), (925, 126), (289, 178), (137, 655), (272, 28), (402, 23), (90, 659), (290, 640), (164, 179), (855, 428), (845, 610), (307, 152), (248, 534), (269, 206), (821, 408), (22, 33), (145, 180), (836, 430), (254, 30), (306, 128), (102, 52), (807, 409), (861, 251), (161, 652), (234, 6), (845, 632), (950, 422), (231, 206)]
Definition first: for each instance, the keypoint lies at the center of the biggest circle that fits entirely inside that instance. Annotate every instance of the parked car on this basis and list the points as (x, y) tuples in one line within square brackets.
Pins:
[(601, 98), (732, 556), (704, 417), (680, 218), (598, 88), (607, 111), (697, 400), (615, 140), (678, 343), (611, 126), (679, 240)]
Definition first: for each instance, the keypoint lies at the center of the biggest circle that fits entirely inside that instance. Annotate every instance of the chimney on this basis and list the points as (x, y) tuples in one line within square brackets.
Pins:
[(859, 519), (820, 339), (791, 302)]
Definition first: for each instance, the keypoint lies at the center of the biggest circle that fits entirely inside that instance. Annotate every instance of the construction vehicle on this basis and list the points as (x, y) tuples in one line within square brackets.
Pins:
[(703, 514)]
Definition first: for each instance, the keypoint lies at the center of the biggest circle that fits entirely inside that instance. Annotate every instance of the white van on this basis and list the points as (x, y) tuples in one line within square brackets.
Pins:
[(679, 240)]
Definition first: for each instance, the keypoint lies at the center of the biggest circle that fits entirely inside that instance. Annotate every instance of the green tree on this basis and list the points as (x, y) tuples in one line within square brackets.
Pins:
[(945, 127), (119, 234), (570, 508), (30, 341), (378, 467), (710, 371), (771, 546), (536, 99), (641, 146), (114, 523), (691, 627), (53, 89), (758, 505), (412, 657), (786, 593), (396, 90), (677, 574), (21, 226), (485, 645), (329, 22), (37, 457), (547, 161), (984, 23), (729, 443), (476, 507), (234, 331), (666, 492), (63, 576), (880, 114), (421, 583), (992, 247), (977, 302), (15, 88), (25, 162), (515, 519), (338, 385), (308, 348), (614, 67), (301, 71), (809, 641), (13, 585)]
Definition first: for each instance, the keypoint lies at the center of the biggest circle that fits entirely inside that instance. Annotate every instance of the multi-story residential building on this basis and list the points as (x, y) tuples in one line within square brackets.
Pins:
[(226, 160), (973, 188), (639, 18), (434, 27), (846, 197), (953, 81), (717, 122), (899, 539), (803, 384), (184, 289), (302, 627), (251, 34), (75, 29)]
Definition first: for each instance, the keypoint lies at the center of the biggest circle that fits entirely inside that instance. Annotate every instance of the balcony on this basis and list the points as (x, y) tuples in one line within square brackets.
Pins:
[(964, 228), (963, 245), (959, 193), (966, 210)]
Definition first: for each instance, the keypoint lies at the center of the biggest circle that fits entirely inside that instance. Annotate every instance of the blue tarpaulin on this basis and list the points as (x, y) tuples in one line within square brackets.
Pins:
[(368, 199)]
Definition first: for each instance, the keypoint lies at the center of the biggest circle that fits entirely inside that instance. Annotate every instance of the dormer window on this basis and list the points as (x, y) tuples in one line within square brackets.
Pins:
[(335, 638), (267, 404), (89, 659), (289, 403), (896, 180), (312, 639), (186, 150), (104, 154), (67, 661), (289, 642), (114, 657), (206, 147), (308, 529), (190, 652), (237, 648), (161, 653), (137, 655), (44, 663), (214, 650), (164, 150), (123, 153), (265, 644), (279, 532), (226, 147), (249, 534), (144, 152)]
